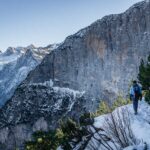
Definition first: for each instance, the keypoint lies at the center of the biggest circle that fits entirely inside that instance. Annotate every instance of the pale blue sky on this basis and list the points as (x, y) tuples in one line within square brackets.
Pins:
[(42, 22)]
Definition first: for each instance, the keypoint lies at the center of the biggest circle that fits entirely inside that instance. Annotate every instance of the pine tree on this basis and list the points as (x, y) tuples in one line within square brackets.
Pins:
[(119, 102), (144, 74), (45, 140), (144, 77), (103, 109)]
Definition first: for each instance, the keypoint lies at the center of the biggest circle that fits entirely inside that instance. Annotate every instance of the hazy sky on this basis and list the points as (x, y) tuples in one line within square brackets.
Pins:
[(42, 22)]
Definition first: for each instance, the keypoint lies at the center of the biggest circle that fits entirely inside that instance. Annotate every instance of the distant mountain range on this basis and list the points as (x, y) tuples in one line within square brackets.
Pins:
[(15, 64)]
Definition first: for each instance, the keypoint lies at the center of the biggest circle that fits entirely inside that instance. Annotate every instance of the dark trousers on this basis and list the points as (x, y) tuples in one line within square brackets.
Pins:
[(135, 104)]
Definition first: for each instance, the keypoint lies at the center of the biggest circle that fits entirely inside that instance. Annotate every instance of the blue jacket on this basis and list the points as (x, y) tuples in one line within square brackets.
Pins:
[(132, 93)]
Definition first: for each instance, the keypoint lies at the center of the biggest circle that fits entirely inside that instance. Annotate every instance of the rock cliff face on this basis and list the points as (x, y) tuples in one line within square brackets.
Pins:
[(99, 61)]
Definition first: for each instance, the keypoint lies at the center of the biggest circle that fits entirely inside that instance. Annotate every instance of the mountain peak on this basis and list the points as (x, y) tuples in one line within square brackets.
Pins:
[(31, 46), (10, 51)]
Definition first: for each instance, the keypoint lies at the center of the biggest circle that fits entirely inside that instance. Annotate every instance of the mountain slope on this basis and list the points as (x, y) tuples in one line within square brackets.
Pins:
[(15, 64)]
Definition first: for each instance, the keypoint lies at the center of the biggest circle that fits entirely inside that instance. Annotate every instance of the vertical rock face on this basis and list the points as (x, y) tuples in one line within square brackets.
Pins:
[(99, 60), (103, 58)]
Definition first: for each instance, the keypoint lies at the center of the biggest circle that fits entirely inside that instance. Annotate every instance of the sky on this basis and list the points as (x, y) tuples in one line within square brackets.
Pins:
[(44, 22)]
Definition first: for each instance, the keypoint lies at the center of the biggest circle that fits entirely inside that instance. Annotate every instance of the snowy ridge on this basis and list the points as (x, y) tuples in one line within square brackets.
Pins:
[(45, 83), (66, 91), (140, 124), (63, 91), (81, 33)]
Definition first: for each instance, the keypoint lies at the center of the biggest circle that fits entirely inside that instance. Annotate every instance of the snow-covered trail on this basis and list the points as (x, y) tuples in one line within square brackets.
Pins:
[(140, 123)]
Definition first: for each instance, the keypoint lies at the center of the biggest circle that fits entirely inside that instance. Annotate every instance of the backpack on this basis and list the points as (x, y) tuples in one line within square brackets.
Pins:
[(137, 91)]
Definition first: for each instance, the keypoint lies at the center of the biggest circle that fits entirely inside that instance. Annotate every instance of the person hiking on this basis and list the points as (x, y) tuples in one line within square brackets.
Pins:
[(135, 95)]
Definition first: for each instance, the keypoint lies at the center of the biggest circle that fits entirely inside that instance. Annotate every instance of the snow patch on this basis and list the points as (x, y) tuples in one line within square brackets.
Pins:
[(81, 33), (66, 91), (46, 83), (136, 147), (8, 59), (63, 92)]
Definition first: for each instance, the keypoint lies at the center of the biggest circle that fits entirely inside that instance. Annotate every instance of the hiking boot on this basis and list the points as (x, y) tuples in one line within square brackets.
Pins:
[(135, 113)]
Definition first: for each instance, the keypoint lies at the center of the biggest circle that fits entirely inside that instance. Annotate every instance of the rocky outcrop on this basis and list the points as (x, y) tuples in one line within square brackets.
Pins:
[(100, 60), (12, 137), (19, 119)]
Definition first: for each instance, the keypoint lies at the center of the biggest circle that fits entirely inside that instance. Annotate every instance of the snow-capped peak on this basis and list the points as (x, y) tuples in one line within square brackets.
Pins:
[(15, 64), (10, 51), (31, 46)]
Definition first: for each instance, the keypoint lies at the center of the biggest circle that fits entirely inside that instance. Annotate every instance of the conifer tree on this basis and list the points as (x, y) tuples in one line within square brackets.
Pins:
[(144, 78)]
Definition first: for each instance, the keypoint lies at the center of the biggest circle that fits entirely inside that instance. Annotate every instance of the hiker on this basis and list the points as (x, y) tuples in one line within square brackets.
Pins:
[(135, 95)]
